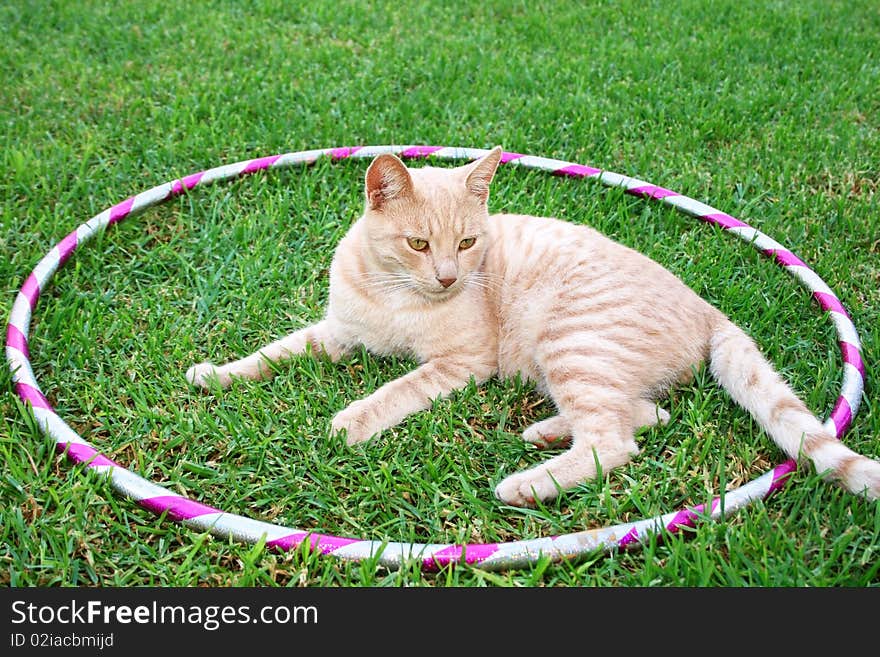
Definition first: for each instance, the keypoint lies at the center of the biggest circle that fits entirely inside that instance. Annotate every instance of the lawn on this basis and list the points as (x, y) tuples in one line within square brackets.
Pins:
[(767, 111)]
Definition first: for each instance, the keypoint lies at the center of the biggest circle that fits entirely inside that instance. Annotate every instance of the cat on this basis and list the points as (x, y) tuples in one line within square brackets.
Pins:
[(603, 330)]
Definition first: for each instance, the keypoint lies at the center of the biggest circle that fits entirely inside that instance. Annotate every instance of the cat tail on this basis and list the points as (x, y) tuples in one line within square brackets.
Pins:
[(737, 364)]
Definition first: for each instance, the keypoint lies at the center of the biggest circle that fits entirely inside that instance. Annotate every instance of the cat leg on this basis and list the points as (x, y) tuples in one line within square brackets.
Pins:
[(553, 432), (579, 464), (599, 413), (411, 393), (591, 448), (646, 413), (257, 365)]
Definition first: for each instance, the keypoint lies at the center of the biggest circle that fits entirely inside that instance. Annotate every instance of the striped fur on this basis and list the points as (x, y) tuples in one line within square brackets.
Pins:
[(598, 327)]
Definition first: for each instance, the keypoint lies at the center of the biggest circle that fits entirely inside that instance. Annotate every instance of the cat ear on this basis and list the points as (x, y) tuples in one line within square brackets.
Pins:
[(387, 178), (481, 172)]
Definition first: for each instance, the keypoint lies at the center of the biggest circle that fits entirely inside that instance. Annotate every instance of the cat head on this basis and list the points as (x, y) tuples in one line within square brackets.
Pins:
[(427, 226)]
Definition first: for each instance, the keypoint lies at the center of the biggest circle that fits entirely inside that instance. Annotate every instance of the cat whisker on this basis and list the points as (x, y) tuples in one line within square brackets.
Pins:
[(386, 288), (485, 281), (383, 275), (387, 285), (371, 280)]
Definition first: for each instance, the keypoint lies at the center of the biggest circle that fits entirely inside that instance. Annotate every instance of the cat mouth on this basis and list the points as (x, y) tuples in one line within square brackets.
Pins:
[(440, 293)]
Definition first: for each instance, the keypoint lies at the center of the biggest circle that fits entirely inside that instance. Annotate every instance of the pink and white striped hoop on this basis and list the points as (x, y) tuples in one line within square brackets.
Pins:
[(431, 556)]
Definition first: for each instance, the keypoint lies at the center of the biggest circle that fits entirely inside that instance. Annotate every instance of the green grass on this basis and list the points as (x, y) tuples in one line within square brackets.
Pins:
[(767, 111)]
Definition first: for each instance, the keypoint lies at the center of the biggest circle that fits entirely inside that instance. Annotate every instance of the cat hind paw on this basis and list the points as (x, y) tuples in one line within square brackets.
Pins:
[(524, 488), (552, 432)]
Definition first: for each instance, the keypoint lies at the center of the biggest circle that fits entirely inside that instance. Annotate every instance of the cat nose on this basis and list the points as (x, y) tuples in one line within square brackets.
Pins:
[(446, 282)]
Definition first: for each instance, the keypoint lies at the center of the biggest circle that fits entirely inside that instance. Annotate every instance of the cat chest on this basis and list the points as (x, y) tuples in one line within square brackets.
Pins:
[(402, 333), (411, 330)]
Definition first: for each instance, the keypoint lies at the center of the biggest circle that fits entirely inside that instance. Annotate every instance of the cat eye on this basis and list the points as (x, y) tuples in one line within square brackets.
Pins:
[(416, 244), (467, 243)]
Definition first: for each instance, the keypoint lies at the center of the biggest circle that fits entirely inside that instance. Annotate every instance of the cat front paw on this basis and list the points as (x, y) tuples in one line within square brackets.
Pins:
[(524, 488), (205, 375), (355, 422)]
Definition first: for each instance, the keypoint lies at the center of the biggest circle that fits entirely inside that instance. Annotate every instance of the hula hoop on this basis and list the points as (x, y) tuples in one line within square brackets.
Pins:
[(432, 556)]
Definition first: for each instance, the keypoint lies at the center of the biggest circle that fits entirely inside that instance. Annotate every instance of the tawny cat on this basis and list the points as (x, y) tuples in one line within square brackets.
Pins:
[(427, 273)]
